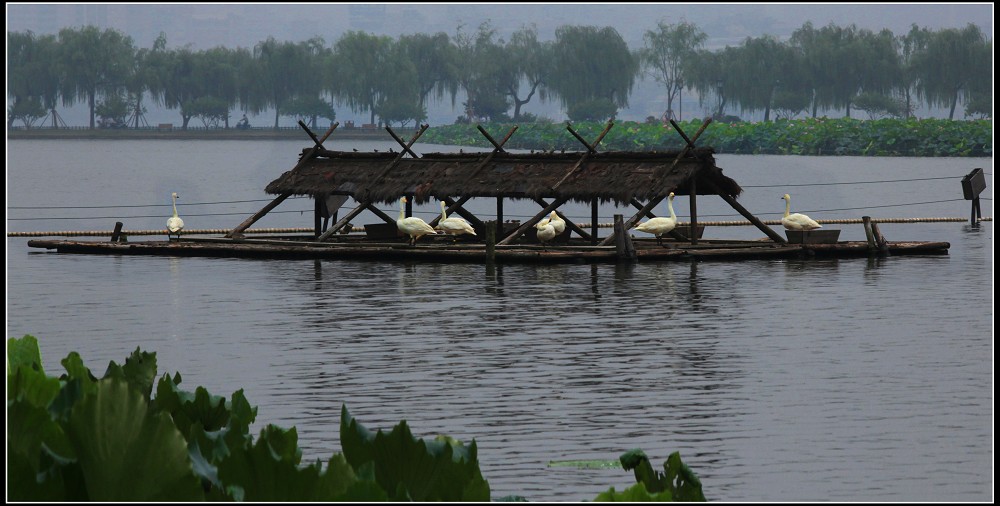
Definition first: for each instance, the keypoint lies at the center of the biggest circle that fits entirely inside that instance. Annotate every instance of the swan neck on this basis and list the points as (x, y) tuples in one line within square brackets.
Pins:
[(174, 201), (670, 207), (788, 207), (444, 216), (402, 211)]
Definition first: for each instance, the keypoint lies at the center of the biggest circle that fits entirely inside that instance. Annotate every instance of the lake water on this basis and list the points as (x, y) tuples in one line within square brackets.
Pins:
[(781, 380)]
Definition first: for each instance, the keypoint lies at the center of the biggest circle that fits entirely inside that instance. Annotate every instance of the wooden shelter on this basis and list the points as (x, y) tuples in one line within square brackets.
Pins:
[(638, 179)]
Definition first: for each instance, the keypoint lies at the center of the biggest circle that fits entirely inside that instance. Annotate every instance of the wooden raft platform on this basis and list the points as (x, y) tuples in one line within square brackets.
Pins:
[(445, 251)]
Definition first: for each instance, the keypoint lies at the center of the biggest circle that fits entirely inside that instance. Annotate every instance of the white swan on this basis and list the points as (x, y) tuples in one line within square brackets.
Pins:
[(174, 223), (412, 226), (660, 226), (545, 231), (453, 226), (797, 221), (557, 222)]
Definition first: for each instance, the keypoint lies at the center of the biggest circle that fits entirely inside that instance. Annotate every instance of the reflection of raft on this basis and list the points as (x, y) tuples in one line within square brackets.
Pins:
[(638, 179)]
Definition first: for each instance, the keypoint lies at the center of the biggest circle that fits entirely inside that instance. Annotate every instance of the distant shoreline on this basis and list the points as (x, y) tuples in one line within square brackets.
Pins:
[(200, 134)]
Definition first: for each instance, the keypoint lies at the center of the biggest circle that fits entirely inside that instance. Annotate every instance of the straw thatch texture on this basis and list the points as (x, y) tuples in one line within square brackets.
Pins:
[(615, 176)]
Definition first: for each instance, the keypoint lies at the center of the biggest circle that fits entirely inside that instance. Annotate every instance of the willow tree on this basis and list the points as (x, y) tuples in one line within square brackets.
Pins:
[(283, 71), (954, 62), (592, 68), (435, 60), (909, 47), (372, 73), (29, 70), (95, 63), (760, 70), (666, 54), (484, 72), (527, 61)]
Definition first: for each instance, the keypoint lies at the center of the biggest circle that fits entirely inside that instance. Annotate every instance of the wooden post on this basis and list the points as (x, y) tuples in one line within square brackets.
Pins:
[(883, 245), (491, 239), (317, 211), (694, 211), (116, 235), (624, 248), (633, 220), (409, 206), (500, 217), (593, 222), (867, 220)]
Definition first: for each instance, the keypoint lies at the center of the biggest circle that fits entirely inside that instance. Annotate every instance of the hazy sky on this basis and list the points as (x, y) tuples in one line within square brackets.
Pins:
[(243, 25)]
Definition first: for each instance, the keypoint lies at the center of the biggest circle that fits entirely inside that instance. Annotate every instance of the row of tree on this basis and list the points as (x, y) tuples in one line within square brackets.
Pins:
[(591, 71)]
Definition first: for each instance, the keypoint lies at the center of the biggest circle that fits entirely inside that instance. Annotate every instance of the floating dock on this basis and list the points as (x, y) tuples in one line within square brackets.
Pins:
[(638, 179)]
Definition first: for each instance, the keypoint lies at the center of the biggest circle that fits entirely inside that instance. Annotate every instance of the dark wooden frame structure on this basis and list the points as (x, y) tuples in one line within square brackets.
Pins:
[(549, 179), (638, 179)]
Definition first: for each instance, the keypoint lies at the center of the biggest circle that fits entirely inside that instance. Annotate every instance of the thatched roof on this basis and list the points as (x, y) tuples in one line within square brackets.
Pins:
[(617, 176)]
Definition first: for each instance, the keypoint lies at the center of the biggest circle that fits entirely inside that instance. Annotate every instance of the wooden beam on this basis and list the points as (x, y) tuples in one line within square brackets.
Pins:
[(746, 214), (406, 148), (497, 148), (643, 211), (590, 151), (238, 231), (572, 226), (531, 222), (378, 212), (343, 221), (399, 157)]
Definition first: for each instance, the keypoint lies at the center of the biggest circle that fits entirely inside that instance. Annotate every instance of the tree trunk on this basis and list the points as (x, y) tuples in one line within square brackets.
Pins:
[(91, 101), (954, 102)]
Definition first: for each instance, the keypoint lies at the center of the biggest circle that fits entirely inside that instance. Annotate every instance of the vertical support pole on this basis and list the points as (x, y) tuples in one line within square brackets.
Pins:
[(883, 245), (694, 211), (409, 206), (624, 249), (976, 212), (499, 227), (593, 222), (317, 216), (491, 240), (867, 220), (116, 235)]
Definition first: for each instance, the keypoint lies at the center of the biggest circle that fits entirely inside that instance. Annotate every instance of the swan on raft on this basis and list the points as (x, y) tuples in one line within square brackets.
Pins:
[(660, 226), (545, 231), (557, 222), (453, 226), (174, 224), (797, 221), (412, 226)]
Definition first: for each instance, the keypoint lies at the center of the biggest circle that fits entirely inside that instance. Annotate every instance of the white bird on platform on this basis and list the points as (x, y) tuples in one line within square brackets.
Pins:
[(557, 222), (412, 226), (545, 231), (660, 226), (453, 226), (174, 223), (797, 221)]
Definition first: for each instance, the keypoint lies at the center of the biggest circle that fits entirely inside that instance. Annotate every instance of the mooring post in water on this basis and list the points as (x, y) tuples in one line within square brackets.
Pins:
[(623, 241), (883, 245), (491, 240), (867, 220), (116, 235)]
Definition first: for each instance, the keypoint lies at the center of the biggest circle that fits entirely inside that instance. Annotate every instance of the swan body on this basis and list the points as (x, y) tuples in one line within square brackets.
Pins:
[(453, 226), (557, 222), (545, 231), (797, 221), (412, 226), (174, 224), (660, 226)]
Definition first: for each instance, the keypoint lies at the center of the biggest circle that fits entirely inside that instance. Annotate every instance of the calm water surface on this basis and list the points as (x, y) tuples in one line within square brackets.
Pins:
[(815, 380)]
